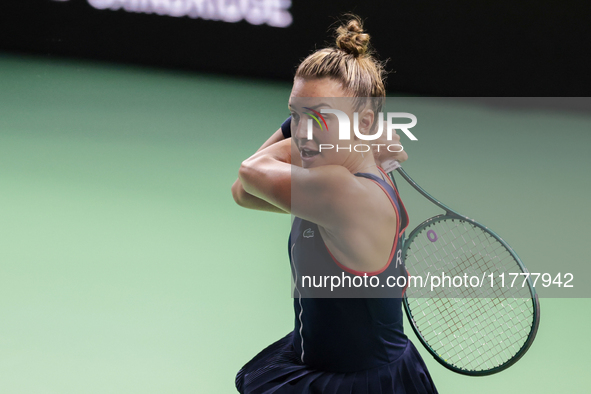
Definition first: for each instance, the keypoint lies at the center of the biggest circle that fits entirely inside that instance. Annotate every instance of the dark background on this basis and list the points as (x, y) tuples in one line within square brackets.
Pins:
[(461, 48)]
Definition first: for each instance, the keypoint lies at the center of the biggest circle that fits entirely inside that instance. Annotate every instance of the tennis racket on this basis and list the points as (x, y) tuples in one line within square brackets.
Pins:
[(472, 330)]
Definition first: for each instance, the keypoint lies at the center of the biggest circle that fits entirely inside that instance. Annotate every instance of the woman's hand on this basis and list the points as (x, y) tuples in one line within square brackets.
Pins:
[(381, 153)]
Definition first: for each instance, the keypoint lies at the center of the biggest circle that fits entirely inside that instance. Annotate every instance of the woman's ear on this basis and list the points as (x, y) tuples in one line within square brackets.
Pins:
[(366, 119)]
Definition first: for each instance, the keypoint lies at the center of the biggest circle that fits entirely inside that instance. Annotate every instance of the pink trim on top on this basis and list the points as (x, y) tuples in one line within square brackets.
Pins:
[(361, 273), (387, 177)]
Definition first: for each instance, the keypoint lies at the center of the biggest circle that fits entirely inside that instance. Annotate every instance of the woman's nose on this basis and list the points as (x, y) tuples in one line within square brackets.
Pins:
[(302, 129)]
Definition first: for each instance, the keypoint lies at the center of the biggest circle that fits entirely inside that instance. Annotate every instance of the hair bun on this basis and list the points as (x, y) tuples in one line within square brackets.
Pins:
[(351, 38)]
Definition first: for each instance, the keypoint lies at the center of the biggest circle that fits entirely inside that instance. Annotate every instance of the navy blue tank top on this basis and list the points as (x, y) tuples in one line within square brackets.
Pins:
[(347, 334)]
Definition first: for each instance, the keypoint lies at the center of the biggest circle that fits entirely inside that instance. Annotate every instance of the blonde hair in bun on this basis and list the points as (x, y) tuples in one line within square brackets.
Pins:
[(351, 38), (350, 62)]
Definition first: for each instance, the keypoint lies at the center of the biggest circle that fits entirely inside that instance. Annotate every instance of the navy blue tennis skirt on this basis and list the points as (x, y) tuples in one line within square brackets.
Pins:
[(277, 369)]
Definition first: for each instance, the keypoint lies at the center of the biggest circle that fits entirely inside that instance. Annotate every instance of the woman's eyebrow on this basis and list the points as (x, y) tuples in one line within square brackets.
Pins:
[(312, 107), (319, 105)]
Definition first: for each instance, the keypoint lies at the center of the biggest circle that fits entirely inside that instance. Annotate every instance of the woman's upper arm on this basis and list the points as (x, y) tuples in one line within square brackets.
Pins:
[(325, 195)]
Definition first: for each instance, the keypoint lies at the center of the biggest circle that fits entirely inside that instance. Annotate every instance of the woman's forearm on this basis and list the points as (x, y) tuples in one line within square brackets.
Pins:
[(274, 138)]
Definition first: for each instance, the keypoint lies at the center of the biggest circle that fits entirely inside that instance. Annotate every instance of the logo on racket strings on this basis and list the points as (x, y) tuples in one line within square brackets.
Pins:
[(432, 236)]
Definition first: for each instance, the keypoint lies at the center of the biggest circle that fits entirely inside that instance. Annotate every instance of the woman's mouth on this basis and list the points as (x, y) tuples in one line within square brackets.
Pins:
[(308, 153)]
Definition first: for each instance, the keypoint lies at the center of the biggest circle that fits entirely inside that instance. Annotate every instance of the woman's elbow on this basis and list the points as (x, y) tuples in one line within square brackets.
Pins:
[(247, 175), (238, 190)]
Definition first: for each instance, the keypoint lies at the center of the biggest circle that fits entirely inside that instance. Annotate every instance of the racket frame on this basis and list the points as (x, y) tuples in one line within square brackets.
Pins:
[(452, 214)]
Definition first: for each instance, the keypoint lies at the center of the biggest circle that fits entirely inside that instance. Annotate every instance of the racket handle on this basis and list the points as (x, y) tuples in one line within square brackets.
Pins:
[(390, 165)]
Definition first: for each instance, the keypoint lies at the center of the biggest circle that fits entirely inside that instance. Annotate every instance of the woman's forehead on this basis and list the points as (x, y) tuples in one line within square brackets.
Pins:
[(318, 87), (319, 93)]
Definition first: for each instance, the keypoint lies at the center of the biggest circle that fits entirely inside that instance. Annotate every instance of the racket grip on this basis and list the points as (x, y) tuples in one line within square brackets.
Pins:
[(390, 165)]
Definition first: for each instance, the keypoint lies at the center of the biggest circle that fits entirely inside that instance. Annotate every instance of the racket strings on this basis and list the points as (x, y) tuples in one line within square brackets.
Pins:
[(471, 327)]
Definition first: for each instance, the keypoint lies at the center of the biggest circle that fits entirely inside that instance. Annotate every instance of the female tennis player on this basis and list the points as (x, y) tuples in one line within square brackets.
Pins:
[(348, 221)]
